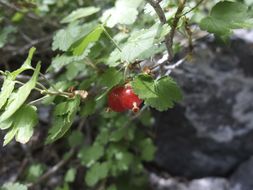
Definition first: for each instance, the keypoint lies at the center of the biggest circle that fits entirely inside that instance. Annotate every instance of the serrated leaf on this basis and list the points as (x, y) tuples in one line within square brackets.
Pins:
[(167, 92), (76, 138), (97, 172), (144, 86), (6, 90), (4, 34), (62, 60), (90, 155), (88, 108), (16, 101), (10, 135), (26, 65), (64, 38), (70, 175), (24, 120), (124, 12), (139, 43), (110, 78), (148, 149), (118, 134), (80, 13), (64, 115), (79, 47), (13, 186), (34, 171), (226, 16)]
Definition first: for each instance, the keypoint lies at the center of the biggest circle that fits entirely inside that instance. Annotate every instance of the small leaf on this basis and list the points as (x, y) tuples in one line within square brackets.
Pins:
[(144, 86), (65, 37), (125, 12), (6, 90), (26, 65), (226, 16), (80, 13), (110, 78), (76, 138), (13, 186), (88, 108), (70, 175), (97, 172), (16, 101), (5, 33), (10, 135), (34, 171), (90, 155), (79, 47), (118, 134), (24, 120), (167, 93), (64, 115), (147, 149)]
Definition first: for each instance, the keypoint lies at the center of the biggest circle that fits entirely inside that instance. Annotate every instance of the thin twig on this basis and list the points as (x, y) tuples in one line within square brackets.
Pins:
[(196, 6), (174, 26), (54, 169), (13, 7)]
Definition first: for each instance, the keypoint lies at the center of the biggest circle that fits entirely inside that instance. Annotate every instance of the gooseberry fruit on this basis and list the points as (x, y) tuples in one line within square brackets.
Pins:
[(122, 98)]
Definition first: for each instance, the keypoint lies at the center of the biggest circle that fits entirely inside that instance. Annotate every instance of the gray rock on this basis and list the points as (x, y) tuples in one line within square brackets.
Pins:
[(210, 133), (159, 183), (242, 178)]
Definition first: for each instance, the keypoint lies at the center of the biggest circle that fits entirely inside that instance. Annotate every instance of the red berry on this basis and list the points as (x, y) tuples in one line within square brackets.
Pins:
[(130, 100), (122, 98), (114, 99)]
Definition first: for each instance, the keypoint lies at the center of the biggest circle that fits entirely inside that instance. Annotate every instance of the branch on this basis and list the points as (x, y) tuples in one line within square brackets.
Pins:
[(169, 37), (201, 1), (174, 26), (54, 169)]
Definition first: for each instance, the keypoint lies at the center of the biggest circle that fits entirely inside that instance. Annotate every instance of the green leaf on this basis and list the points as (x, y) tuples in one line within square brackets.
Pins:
[(144, 86), (10, 135), (13, 186), (24, 120), (147, 149), (167, 92), (70, 175), (118, 134), (90, 155), (88, 108), (139, 43), (125, 12), (16, 101), (80, 13), (26, 65), (6, 124), (64, 115), (76, 138), (112, 187), (97, 172), (79, 47), (6, 90), (226, 16), (34, 171), (62, 60), (5, 33), (64, 38), (110, 78)]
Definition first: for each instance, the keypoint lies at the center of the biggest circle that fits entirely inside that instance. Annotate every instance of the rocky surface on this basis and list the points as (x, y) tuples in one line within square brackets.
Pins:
[(209, 137)]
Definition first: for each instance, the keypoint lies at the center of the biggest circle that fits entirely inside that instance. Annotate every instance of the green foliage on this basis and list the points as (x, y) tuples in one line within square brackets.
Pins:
[(17, 99), (110, 78), (97, 172), (64, 115), (89, 155), (159, 94), (100, 44), (226, 16), (80, 13), (13, 186)]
